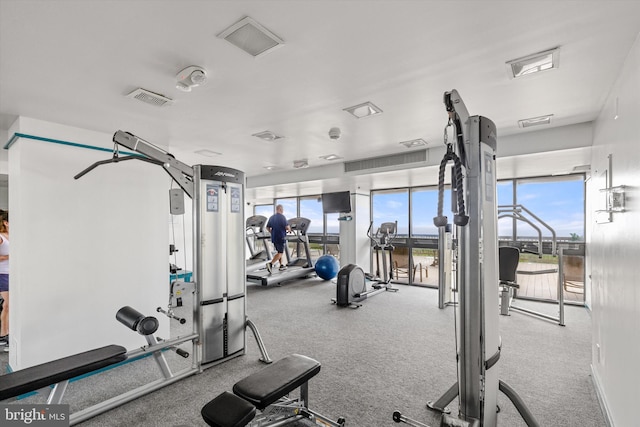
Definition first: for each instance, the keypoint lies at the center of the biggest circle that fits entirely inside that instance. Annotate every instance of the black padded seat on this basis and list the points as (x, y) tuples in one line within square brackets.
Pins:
[(39, 376), (508, 260), (277, 380), (228, 410)]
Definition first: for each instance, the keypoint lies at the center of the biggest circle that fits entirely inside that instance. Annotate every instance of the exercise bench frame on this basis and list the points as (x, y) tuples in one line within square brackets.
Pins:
[(59, 372), (262, 398)]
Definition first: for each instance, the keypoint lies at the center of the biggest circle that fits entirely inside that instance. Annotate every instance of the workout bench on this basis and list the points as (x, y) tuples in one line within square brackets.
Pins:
[(267, 391), (59, 372)]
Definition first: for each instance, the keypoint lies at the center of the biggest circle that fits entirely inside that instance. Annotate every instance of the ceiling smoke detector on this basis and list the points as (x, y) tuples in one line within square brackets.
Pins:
[(334, 133), (190, 77)]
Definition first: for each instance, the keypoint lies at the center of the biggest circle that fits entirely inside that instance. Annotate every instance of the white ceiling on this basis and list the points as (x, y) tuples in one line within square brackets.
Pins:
[(73, 62)]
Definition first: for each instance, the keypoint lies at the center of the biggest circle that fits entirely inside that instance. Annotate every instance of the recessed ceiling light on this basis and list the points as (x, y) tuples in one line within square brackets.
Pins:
[(535, 121), (363, 110), (414, 143), (267, 135), (534, 63), (331, 157), (250, 36), (300, 163), (271, 168), (208, 153)]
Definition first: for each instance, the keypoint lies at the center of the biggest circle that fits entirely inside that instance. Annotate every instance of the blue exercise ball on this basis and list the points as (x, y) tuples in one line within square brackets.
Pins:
[(327, 267)]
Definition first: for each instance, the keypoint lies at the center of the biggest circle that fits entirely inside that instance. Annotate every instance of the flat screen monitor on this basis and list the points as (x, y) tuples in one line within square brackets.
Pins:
[(339, 202)]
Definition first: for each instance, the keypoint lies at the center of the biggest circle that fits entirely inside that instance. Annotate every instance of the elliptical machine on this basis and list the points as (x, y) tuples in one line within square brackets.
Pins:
[(352, 280), (382, 244)]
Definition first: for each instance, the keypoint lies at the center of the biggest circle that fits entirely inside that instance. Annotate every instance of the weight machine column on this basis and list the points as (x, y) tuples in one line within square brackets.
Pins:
[(219, 267), (478, 278), (445, 267)]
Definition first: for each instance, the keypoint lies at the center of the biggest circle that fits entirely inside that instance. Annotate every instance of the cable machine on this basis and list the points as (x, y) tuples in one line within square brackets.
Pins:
[(219, 306), (478, 339)]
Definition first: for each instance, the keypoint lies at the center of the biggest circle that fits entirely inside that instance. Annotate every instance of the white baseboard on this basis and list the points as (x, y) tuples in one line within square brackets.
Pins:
[(601, 398)]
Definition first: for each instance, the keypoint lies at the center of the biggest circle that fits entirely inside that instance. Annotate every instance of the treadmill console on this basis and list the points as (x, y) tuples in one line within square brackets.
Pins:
[(299, 225)]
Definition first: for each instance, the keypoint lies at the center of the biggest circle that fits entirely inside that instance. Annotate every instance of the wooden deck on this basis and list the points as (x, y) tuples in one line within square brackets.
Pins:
[(536, 280), (545, 286)]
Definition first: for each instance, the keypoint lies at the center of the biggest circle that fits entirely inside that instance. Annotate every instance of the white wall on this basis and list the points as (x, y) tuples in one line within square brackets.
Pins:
[(4, 169), (81, 249), (4, 154), (615, 251)]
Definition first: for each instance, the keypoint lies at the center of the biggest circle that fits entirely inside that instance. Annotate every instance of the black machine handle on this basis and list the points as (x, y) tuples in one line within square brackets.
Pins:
[(115, 159), (181, 352), (460, 218), (182, 320), (178, 350)]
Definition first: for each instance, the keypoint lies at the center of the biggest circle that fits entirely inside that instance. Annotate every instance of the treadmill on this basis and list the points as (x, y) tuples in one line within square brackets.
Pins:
[(259, 253), (302, 266)]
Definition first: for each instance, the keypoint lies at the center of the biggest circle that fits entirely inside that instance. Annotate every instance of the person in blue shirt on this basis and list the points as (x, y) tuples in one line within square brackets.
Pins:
[(278, 227)]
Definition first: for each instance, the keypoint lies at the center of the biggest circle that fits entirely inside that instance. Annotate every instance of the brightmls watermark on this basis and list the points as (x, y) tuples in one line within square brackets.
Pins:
[(34, 415)]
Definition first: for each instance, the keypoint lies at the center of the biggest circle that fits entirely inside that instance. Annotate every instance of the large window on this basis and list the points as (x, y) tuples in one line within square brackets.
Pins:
[(555, 202), (290, 206), (324, 230), (311, 208), (264, 210), (558, 202), (391, 206), (333, 225), (505, 198), (424, 207)]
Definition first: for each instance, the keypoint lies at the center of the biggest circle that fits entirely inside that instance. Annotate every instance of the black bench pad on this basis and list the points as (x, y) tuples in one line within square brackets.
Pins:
[(39, 376), (271, 383), (228, 410)]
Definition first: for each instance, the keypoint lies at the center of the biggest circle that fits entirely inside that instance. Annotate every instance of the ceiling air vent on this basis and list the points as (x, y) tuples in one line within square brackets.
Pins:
[(250, 36), (149, 97), (386, 161)]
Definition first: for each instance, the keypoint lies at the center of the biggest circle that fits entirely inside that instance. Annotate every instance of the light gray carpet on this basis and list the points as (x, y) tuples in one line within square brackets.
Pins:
[(396, 352)]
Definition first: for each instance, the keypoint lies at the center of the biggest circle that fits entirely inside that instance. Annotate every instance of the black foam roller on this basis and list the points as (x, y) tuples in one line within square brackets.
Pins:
[(137, 321)]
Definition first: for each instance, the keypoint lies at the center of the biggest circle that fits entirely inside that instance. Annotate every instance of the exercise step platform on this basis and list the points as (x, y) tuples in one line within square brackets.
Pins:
[(264, 388), (36, 377)]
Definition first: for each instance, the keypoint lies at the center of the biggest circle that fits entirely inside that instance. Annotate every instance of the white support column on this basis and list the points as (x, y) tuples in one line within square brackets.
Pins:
[(354, 243)]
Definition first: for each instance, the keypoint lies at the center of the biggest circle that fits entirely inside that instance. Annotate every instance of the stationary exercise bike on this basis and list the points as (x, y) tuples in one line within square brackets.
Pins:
[(352, 280)]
